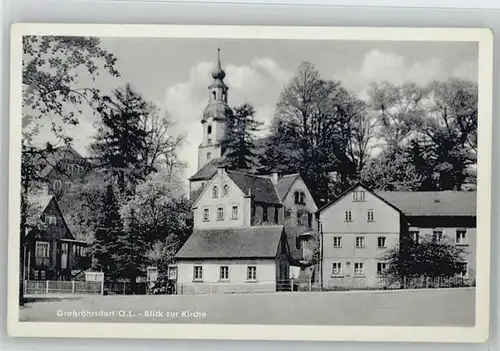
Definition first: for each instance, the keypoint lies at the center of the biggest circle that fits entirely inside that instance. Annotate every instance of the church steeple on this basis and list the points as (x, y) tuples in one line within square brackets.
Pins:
[(218, 89), (214, 117)]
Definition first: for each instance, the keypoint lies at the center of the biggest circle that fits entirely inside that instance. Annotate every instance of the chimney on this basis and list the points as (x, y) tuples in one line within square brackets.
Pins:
[(275, 177), (221, 169)]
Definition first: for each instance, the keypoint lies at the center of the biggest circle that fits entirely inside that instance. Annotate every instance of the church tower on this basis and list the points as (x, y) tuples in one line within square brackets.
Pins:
[(214, 117)]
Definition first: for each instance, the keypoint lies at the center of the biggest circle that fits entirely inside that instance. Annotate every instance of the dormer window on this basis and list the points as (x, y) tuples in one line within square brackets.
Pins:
[(358, 195), (57, 184), (215, 191)]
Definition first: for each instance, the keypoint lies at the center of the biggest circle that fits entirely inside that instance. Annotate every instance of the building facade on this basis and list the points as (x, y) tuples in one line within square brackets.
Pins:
[(61, 168), (51, 251), (253, 259), (360, 226)]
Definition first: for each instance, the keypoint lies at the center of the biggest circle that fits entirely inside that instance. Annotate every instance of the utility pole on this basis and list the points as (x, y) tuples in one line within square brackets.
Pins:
[(320, 229)]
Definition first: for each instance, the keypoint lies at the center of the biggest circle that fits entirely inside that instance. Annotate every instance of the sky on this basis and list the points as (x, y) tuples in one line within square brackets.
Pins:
[(175, 74)]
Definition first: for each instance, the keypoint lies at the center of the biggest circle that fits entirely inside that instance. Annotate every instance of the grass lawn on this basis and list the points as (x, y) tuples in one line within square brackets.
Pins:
[(441, 307)]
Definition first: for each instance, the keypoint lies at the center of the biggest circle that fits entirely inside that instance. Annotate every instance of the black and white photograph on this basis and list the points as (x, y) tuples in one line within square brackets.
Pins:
[(207, 177)]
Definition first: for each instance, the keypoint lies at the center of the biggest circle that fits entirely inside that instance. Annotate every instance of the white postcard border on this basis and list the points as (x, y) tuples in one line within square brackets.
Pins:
[(478, 333)]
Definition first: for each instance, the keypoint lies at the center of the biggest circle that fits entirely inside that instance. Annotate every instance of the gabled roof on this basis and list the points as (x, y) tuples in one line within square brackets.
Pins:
[(253, 242), (423, 203), (285, 183), (433, 203), (206, 172), (261, 188), (341, 196), (39, 203)]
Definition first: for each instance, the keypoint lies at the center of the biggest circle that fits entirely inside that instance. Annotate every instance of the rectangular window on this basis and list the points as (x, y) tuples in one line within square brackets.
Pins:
[(300, 215), (288, 213), (220, 213), (43, 274), (371, 216), (381, 268), (251, 273), (415, 236), (264, 214), (336, 268), (50, 220), (337, 241), (224, 273), (360, 242), (64, 248), (358, 195), (206, 214), (359, 268), (463, 270), (437, 236), (42, 249), (461, 237), (381, 241), (348, 216), (198, 273), (235, 212)]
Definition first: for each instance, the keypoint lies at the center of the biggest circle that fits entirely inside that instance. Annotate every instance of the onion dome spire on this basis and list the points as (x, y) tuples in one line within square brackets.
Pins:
[(218, 73)]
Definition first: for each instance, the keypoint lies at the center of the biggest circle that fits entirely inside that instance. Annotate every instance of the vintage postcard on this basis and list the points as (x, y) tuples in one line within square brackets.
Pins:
[(227, 182)]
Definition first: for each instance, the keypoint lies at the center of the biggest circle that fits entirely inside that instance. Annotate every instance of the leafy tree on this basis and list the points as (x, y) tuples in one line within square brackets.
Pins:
[(160, 206), (398, 108), (239, 142), (427, 258), (84, 207), (161, 147), (450, 131), (429, 132), (106, 245), (313, 131)]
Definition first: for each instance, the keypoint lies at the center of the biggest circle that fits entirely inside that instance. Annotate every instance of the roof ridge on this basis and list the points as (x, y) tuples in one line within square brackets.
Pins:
[(290, 175), (247, 173)]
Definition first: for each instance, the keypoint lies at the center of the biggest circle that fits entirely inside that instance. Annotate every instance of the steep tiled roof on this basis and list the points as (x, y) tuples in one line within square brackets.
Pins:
[(285, 183), (39, 203), (206, 172), (253, 242), (432, 203), (261, 188)]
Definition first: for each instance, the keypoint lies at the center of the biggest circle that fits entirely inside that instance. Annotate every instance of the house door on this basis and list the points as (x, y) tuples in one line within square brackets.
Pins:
[(64, 255)]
